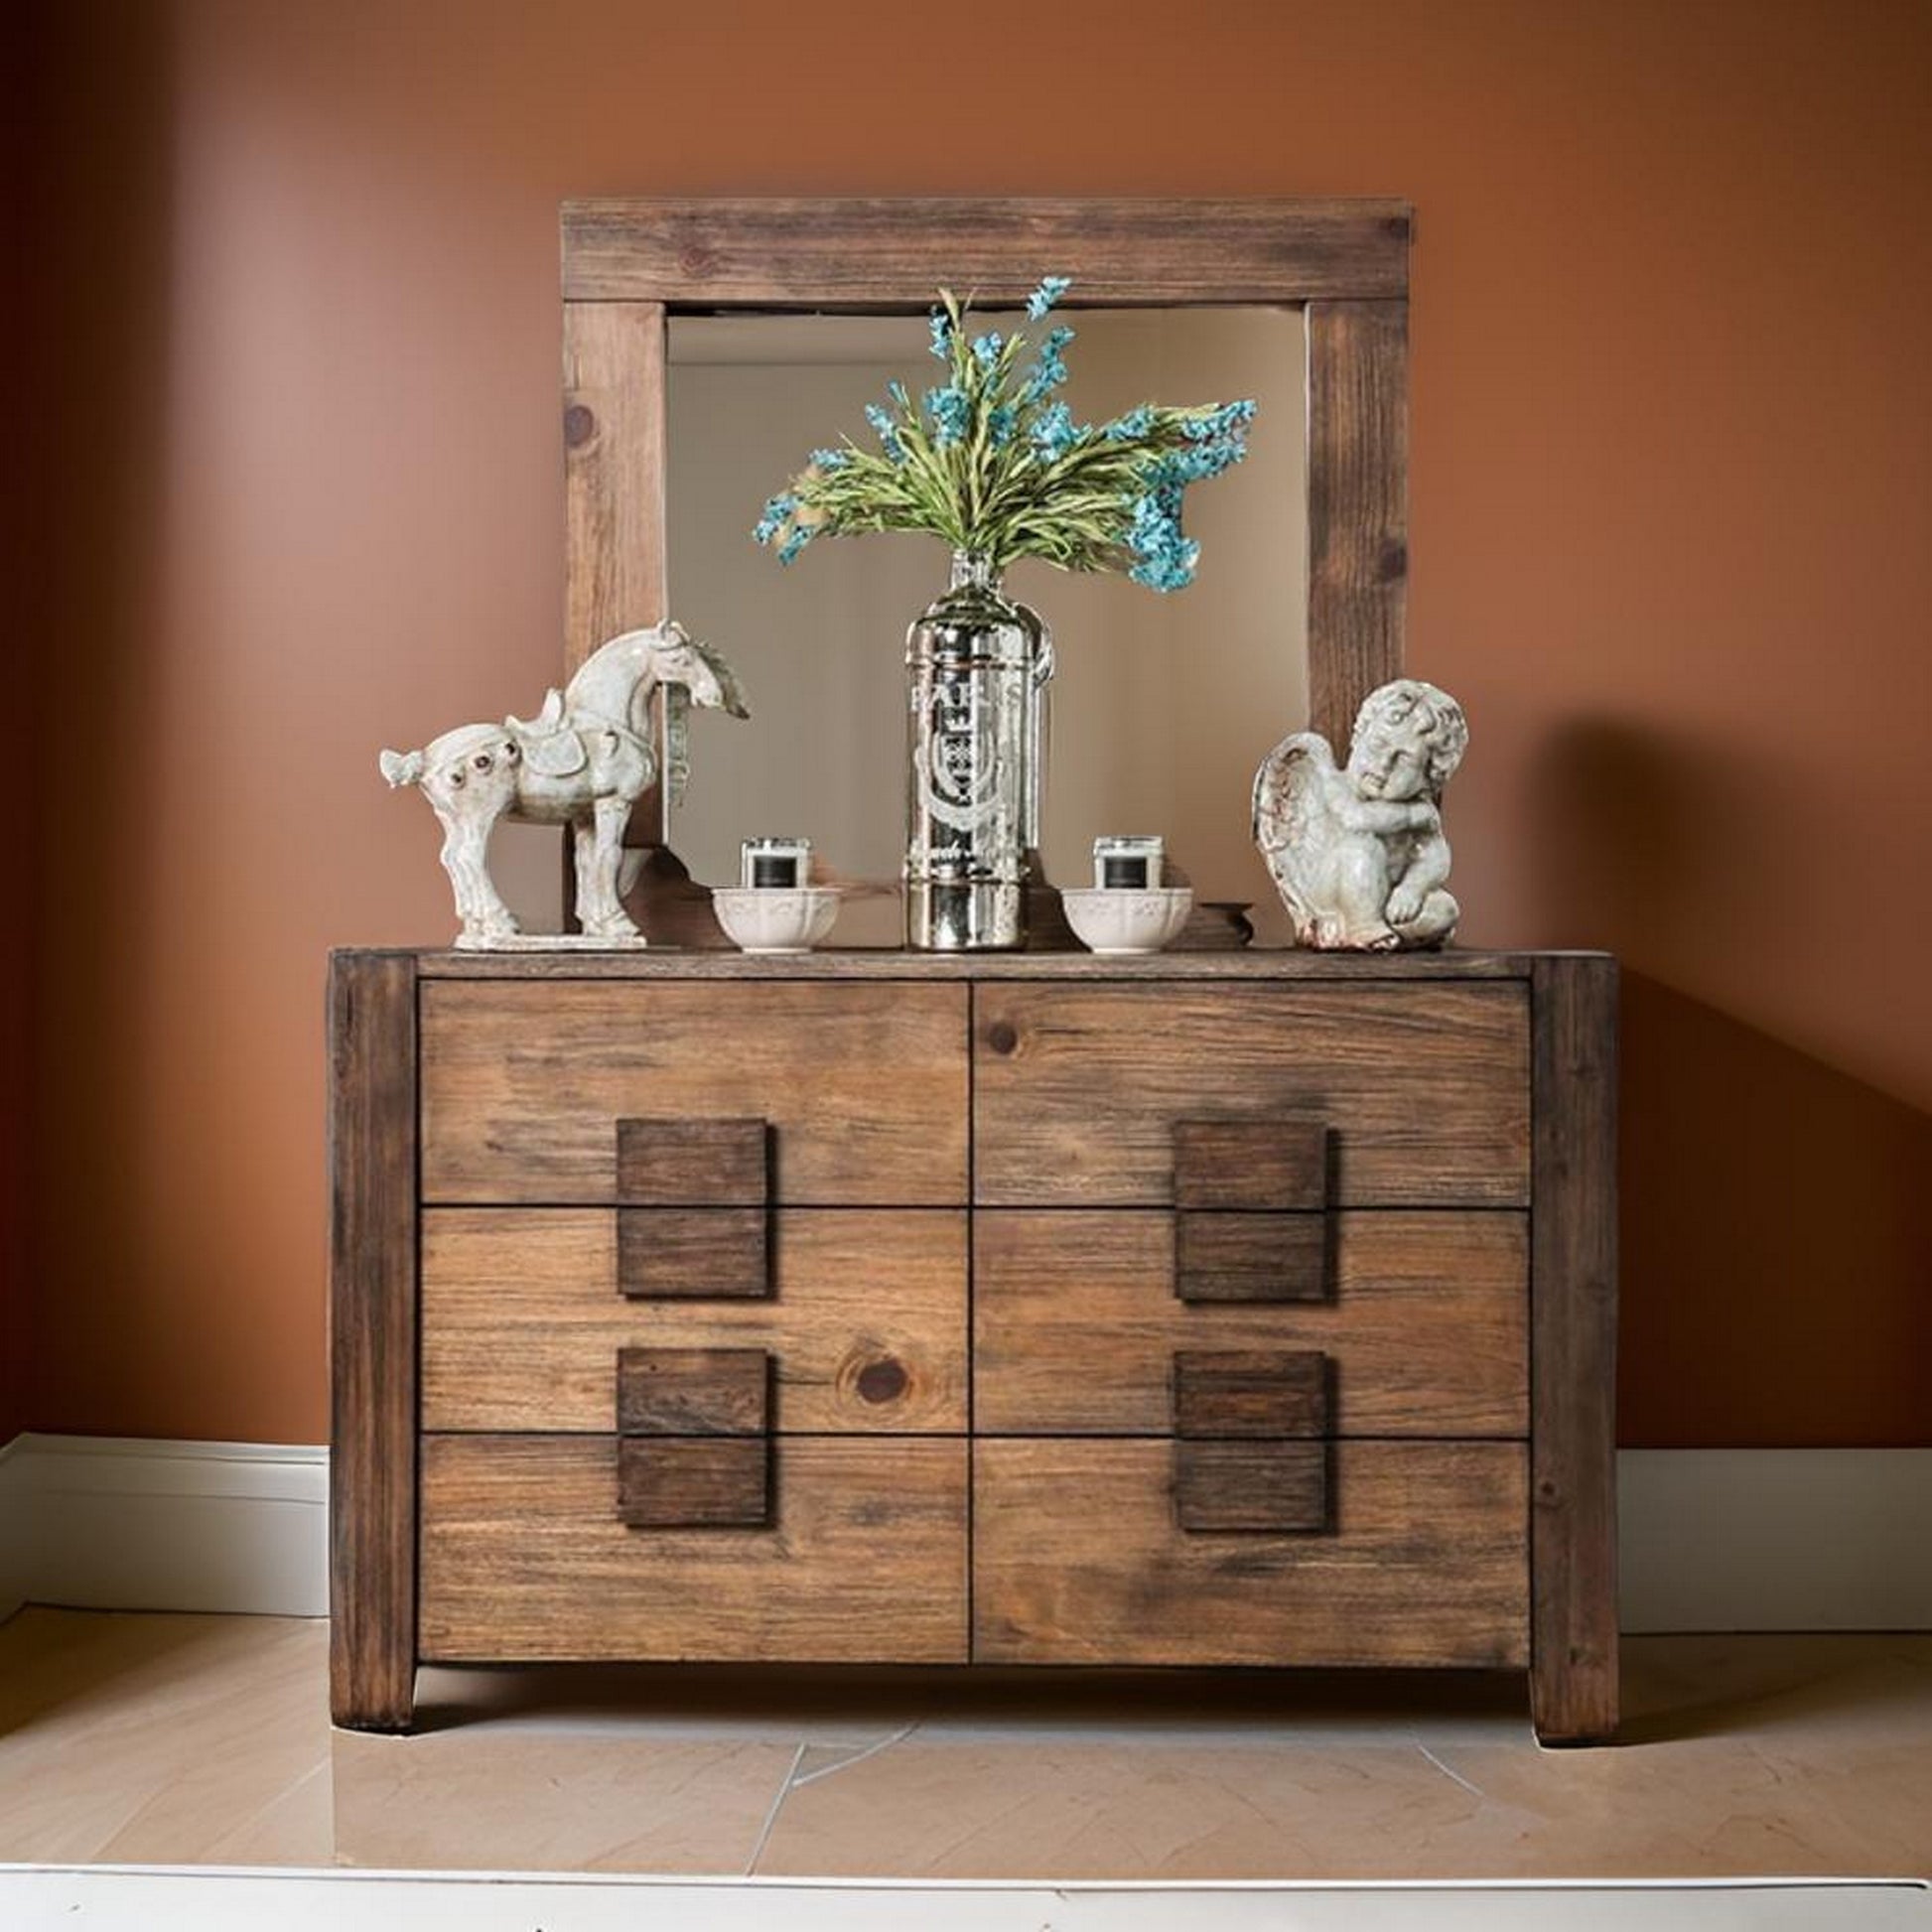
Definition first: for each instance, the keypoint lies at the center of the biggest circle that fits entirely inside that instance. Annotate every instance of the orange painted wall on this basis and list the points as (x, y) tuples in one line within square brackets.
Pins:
[(1672, 479)]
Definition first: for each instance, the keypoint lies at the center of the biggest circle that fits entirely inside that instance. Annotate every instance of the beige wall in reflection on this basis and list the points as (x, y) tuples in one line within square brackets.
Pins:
[(1162, 706)]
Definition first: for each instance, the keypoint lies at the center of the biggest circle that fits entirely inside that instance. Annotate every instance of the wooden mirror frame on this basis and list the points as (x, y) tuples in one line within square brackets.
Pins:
[(630, 265)]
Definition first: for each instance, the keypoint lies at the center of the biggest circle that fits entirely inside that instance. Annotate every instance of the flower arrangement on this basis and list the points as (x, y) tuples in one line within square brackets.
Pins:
[(992, 461)]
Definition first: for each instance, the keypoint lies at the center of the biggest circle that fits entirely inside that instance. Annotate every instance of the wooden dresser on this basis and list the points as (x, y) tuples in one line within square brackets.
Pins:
[(1216, 1309)]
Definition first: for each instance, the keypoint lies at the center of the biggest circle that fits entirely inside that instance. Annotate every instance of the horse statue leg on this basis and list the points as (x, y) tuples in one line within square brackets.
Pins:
[(599, 850), (469, 919), (486, 920)]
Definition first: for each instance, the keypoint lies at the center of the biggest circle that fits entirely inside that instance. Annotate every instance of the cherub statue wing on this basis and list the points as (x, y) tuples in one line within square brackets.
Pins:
[(1289, 788), (1289, 809)]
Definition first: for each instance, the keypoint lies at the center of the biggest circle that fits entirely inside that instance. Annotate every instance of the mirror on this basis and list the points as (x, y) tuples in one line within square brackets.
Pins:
[(1162, 706)]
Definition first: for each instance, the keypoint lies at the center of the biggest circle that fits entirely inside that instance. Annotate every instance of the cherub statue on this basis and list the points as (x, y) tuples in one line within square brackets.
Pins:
[(583, 762), (1358, 854)]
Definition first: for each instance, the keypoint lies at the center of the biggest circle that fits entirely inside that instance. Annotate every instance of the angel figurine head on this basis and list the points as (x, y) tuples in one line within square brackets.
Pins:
[(1357, 851)]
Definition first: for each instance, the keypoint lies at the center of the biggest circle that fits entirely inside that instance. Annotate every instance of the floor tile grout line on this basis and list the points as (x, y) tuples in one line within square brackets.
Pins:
[(771, 1816), (857, 1757), (1456, 1777)]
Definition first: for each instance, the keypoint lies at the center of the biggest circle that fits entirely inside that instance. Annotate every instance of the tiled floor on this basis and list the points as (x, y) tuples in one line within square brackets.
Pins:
[(191, 1739)]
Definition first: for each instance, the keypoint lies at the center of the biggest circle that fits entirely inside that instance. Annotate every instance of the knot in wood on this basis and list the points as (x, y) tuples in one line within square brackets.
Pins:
[(881, 1381)]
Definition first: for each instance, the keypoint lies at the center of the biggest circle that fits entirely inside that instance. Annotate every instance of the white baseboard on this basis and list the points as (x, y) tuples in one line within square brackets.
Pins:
[(1775, 1538), (120, 1523), (1712, 1539)]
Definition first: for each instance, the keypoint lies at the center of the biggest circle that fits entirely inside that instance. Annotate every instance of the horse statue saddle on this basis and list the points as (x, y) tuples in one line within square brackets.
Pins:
[(557, 746), (552, 747)]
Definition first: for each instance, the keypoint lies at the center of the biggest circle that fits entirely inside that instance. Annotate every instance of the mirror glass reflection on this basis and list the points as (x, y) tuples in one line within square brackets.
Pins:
[(1162, 706)]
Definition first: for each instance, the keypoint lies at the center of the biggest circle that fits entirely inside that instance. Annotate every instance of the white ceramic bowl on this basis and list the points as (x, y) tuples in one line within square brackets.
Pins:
[(775, 918), (1114, 921)]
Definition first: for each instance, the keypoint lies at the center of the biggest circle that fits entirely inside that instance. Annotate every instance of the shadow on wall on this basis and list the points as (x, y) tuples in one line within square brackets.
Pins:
[(1777, 1256), (105, 280), (1777, 1251)]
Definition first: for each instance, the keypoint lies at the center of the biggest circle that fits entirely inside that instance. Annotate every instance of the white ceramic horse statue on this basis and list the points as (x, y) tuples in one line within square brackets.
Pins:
[(583, 762)]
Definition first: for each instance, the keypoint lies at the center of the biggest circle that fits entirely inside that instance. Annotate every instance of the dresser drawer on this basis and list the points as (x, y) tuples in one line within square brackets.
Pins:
[(1080, 1559), (865, 1319), (861, 1089), (864, 1559), (1423, 1315), (1083, 1096)]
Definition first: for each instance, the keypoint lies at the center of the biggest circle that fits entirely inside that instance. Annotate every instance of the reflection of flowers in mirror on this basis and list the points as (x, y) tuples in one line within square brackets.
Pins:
[(994, 462)]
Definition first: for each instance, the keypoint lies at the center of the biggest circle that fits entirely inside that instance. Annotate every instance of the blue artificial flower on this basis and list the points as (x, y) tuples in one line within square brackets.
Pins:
[(830, 459), (1049, 291), (941, 328), (1167, 557), (1049, 371), (1177, 469), (1136, 423), (950, 411), (777, 512), (1054, 432), (986, 348), (885, 429), (1230, 420), (801, 534), (1001, 423)]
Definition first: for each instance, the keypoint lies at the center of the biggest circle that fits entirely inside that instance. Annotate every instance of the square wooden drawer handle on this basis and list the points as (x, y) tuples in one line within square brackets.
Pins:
[(1254, 1393), (682, 1483), (694, 1392), (1279, 1488), (702, 1254), (1254, 1165), (1235, 1257), (694, 1162)]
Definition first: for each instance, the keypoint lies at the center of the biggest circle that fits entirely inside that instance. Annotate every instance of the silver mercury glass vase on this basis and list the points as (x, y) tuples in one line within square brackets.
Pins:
[(977, 666)]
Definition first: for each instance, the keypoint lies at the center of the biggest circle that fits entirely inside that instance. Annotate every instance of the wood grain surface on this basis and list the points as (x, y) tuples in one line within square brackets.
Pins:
[(1078, 1089), (688, 1163), (866, 1321), (1253, 1164), (615, 463), (1078, 1560), (863, 1560), (864, 1086), (670, 1482), (1076, 1324), (1572, 1299), (1279, 1488), (694, 1254), (693, 1391), (372, 1339), (891, 254), (1358, 514), (1250, 1392), (1244, 1257), (614, 472)]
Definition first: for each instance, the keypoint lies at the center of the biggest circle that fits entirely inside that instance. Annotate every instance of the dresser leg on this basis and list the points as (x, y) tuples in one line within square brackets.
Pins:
[(372, 1339), (351, 1707), (1573, 1351)]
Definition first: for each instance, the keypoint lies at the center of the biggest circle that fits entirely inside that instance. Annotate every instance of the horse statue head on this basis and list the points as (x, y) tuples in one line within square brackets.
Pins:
[(690, 672), (617, 681)]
